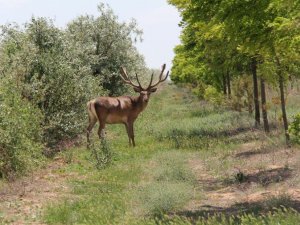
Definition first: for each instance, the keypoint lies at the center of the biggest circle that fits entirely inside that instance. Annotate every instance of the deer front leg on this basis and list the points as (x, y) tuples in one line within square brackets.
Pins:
[(131, 133), (128, 133)]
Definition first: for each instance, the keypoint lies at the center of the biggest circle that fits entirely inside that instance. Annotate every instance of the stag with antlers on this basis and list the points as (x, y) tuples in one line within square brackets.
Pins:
[(123, 109)]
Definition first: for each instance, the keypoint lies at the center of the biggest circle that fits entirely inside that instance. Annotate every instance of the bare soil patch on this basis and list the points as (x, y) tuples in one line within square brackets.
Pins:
[(22, 200)]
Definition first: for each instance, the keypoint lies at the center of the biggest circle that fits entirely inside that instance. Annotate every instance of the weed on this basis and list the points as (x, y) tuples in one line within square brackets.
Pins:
[(163, 197), (102, 155), (240, 177), (171, 166), (68, 157)]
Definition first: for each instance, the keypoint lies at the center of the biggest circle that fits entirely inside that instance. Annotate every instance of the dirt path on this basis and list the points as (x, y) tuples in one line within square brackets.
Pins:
[(271, 178), (22, 201)]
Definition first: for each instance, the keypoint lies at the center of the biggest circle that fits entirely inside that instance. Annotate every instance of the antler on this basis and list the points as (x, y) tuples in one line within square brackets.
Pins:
[(160, 77), (127, 80)]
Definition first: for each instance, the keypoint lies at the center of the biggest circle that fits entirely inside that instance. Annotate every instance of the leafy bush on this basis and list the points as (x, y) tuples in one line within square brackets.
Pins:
[(212, 95), (46, 78), (199, 89), (20, 132), (242, 94), (294, 129), (101, 155), (58, 70)]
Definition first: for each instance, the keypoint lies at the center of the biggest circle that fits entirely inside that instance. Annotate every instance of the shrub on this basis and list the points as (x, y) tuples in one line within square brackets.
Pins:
[(294, 129), (212, 95), (242, 94), (101, 155), (163, 197), (48, 78), (199, 90), (20, 132)]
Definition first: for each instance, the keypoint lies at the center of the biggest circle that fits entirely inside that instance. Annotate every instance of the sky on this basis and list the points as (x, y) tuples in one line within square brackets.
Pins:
[(158, 20)]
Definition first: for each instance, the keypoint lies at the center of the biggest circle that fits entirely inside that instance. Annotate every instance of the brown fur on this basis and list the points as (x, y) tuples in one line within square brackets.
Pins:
[(123, 109), (114, 110)]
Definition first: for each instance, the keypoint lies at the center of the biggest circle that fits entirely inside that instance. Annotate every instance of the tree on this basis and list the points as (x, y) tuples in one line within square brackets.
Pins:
[(265, 31), (103, 45)]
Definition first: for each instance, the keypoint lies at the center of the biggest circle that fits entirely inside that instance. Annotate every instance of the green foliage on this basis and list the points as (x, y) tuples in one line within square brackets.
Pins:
[(221, 38), (59, 70), (294, 129), (199, 90), (45, 78), (242, 94), (103, 45), (20, 132), (212, 95)]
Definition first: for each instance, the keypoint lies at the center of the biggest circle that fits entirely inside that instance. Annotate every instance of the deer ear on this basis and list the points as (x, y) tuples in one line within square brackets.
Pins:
[(153, 89), (137, 89)]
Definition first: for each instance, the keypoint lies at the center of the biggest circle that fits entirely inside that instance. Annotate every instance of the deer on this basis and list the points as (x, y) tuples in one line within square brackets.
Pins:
[(123, 109)]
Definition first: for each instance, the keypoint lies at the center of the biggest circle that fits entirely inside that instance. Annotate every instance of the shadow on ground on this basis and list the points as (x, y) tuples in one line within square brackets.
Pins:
[(238, 209), (263, 178)]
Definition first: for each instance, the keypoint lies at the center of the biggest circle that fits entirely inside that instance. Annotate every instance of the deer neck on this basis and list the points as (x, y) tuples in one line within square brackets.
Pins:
[(140, 104)]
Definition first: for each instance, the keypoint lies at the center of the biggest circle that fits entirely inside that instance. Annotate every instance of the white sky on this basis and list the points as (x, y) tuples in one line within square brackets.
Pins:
[(158, 20)]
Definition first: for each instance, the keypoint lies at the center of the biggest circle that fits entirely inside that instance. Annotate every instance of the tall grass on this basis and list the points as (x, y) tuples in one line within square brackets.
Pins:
[(170, 184)]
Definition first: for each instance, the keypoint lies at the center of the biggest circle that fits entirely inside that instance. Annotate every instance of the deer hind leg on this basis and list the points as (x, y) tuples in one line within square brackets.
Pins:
[(101, 114), (131, 134), (101, 132), (92, 121)]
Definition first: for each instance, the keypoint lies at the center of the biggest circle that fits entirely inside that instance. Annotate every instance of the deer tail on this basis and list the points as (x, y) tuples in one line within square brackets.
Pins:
[(91, 110)]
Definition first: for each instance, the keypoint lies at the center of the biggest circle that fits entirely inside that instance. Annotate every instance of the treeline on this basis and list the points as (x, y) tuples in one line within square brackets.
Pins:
[(234, 47), (47, 74)]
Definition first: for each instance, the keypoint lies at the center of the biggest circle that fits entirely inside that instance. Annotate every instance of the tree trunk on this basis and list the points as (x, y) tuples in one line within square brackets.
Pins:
[(282, 100), (228, 84), (224, 85), (255, 92), (284, 116), (264, 105)]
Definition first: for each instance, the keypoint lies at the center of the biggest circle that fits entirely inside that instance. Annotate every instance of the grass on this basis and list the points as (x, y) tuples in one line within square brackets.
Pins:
[(153, 183), (170, 184), (163, 197)]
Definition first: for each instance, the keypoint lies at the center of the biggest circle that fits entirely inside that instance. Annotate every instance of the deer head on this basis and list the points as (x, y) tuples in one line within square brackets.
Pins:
[(144, 92)]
